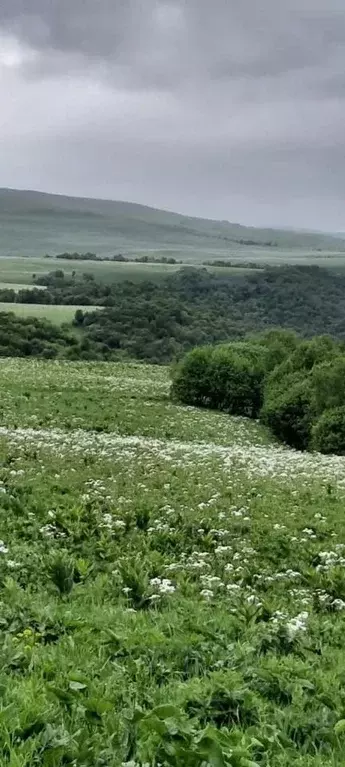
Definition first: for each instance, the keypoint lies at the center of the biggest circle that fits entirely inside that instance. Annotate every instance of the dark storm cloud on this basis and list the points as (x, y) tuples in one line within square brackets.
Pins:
[(233, 108), (214, 40)]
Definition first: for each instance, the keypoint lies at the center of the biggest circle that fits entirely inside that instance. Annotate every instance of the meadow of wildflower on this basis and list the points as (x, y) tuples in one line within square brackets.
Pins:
[(172, 581)]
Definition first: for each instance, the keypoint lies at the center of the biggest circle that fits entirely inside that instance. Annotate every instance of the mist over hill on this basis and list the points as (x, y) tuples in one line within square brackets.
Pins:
[(34, 223)]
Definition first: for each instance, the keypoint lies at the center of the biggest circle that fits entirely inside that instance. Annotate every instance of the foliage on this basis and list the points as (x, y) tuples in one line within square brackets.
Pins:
[(61, 570), (159, 322), (30, 336), (288, 381), (328, 382), (328, 434), (191, 383), (289, 413), (226, 377)]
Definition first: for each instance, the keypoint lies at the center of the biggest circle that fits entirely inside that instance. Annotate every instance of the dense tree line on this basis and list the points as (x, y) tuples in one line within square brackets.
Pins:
[(295, 387), (159, 322), (226, 264), (146, 259)]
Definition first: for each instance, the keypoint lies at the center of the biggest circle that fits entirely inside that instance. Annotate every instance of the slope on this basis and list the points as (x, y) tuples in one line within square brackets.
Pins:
[(34, 223)]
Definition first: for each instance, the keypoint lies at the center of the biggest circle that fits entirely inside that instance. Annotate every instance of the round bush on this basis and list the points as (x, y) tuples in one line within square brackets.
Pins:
[(328, 434), (236, 379), (228, 377), (289, 414), (191, 384)]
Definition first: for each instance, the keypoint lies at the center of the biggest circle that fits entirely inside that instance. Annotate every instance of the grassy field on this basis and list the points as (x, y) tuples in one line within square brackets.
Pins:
[(16, 270), (54, 313), (172, 582)]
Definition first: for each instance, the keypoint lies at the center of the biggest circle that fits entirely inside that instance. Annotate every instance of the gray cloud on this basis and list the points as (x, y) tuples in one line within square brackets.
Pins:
[(229, 109)]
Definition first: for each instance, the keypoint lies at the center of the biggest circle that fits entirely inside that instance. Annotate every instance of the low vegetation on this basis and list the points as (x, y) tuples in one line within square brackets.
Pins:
[(172, 582)]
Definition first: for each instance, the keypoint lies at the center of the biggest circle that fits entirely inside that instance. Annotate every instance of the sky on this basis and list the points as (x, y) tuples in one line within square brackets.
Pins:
[(227, 109)]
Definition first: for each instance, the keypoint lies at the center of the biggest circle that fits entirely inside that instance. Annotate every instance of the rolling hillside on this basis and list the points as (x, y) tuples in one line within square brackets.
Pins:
[(34, 223)]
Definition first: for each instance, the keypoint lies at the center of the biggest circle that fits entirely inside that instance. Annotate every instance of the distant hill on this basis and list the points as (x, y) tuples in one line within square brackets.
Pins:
[(34, 223)]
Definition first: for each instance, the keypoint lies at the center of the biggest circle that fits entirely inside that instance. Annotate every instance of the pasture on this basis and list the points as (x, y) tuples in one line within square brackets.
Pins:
[(172, 581), (55, 313), (17, 270)]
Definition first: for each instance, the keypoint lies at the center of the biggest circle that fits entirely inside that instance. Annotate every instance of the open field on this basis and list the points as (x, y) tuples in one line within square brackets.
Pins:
[(16, 269), (172, 582), (52, 312)]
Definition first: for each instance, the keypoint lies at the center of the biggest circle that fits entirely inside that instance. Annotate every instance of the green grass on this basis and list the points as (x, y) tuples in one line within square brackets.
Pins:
[(15, 270), (54, 313), (171, 581)]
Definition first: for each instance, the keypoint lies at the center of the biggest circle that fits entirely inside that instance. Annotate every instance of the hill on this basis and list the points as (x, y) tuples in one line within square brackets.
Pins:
[(34, 223)]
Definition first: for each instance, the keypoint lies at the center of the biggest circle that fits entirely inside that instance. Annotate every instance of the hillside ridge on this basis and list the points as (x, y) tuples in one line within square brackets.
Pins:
[(33, 222)]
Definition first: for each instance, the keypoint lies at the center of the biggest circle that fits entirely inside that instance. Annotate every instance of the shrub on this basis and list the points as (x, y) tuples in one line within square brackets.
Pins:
[(313, 352), (191, 383), (280, 344), (289, 413), (328, 434), (328, 381), (236, 379), (289, 383), (227, 377)]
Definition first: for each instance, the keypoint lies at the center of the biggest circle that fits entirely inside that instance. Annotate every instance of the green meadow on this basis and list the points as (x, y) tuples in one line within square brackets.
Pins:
[(172, 581)]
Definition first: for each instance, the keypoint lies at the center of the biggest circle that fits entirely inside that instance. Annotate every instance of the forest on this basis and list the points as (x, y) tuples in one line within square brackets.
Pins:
[(159, 322)]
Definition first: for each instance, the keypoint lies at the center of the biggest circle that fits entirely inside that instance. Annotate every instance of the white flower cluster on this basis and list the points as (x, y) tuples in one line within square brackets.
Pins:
[(132, 763), (51, 531), (162, 586), (309, 532), (297, 625), (326, 600), (330, 559), (242, 512), (109, 523)]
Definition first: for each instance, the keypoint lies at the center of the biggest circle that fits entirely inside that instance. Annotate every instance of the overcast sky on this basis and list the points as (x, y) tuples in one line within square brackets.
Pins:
[(231, 109)]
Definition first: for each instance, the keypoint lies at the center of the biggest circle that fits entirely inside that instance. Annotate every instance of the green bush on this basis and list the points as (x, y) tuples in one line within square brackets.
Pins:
[(328, 434), (313, 352), (227, 377), (236, 379), (191, 384), (296, 387), (280, 344), (328, 382), (289, 413)]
